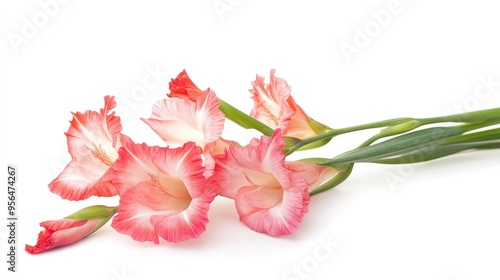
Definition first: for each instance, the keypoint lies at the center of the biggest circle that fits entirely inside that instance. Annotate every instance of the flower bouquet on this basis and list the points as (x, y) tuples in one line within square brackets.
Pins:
[(166, 191)]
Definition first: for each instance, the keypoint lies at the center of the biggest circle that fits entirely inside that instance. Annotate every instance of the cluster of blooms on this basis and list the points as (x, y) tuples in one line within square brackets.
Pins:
[(167, 191)]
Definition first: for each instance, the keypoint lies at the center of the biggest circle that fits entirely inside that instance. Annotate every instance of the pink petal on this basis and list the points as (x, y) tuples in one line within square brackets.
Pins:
[(74, 231), (137, 205), (133, 166), (270, 105), (178, 121), (95, 132), (313, 174), (61, 232), (184, 225), (271, 211), (83, 178), (219, 147)]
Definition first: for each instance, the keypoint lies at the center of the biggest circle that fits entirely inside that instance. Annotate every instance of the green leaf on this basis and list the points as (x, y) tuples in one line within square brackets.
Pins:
[(398, 145)]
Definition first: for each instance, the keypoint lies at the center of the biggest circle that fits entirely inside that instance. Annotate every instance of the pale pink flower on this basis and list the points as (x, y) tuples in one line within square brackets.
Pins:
[(162, 192), (275, 107), (269, 197)]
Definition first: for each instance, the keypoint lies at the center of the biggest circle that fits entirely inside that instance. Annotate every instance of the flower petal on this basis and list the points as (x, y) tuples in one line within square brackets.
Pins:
[(178, 121), (137, 205), (133, 166), (95, 132), (83, 178), (270, 105), (313, 174), (271, 211)]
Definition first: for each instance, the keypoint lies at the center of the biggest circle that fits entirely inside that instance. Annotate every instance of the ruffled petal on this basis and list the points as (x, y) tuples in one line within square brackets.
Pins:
[(137, 205), (93, 141), (270, 105), (184, 225), (95, 133), (270, 210), (178, 121)]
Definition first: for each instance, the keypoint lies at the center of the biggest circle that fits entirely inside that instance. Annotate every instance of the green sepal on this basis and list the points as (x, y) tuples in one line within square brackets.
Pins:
[(91, 212), (340, 177)]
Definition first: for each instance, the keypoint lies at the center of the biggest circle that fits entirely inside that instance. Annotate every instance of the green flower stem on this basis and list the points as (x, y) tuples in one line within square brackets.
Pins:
[(335, 132), (398, 126), (242, 119), (407, 143)]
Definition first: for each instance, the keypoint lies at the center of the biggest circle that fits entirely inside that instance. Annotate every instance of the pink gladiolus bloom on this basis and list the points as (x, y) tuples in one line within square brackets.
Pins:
[(62, 232), (162, 192), (269, 197), (178, 121), (275, 107), (93, 141), (183, 87)]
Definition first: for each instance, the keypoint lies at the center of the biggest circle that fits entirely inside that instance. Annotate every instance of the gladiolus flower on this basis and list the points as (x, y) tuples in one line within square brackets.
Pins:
[(71, 229), (162, 192), (178, 121), (275, 106), (269, 197), (93, 141), (183, 87)]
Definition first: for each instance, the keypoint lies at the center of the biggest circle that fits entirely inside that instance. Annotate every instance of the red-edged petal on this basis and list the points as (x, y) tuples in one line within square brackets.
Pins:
[(137, 205), (183, 87), (270, 210), (184, 225), (83, 178), (61, 232), (95, 133), (93, 140), (178, 121)]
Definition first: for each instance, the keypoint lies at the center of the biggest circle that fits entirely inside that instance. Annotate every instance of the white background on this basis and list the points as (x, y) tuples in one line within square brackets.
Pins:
[(436, 221)]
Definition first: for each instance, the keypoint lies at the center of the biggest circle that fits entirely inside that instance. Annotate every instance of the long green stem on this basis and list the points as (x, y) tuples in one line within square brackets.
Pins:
[(469, 117)]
